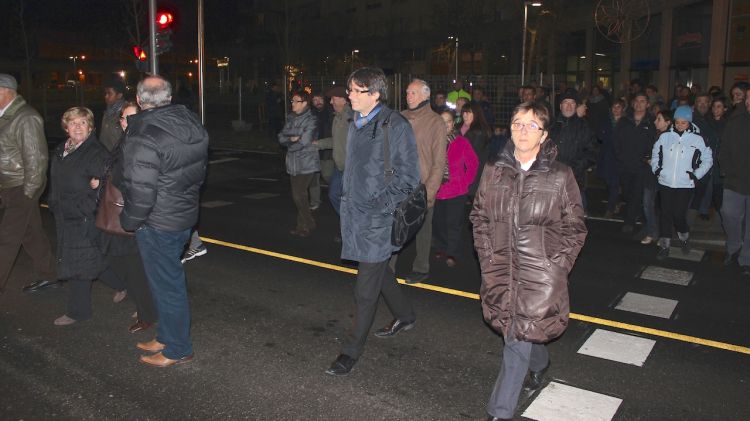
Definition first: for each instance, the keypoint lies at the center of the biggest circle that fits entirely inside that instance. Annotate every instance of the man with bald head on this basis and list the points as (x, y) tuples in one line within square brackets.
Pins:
[(429, 131), (23, 174), (164, 166)]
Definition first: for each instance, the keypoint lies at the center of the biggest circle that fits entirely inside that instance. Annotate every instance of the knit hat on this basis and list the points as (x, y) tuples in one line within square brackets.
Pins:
[(569, 94), (683, 112), (338, 91), (8, 81)]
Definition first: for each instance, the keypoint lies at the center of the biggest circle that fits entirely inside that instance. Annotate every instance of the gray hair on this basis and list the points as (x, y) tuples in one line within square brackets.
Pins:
[(154, 91), (425, 86)]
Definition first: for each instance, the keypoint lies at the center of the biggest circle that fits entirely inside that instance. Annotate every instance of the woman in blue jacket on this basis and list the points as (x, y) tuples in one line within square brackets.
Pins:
[(679, 159)]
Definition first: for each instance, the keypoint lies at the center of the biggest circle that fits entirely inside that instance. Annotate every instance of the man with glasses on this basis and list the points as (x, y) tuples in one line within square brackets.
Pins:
[(369, 199)]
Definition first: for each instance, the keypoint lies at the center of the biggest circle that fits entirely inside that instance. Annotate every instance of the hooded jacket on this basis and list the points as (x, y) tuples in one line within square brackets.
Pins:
[(164, 165), (429, 132), (23, 149), (679, 160), (302, 156), (528, 230)]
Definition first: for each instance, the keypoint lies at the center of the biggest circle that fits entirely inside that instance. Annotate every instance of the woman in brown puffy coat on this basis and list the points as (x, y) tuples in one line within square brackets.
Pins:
[(528, 230)]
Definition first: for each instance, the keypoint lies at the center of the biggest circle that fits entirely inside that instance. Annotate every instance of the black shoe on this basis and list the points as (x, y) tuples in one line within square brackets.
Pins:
[(685, 246), (662, 254), (731, 259), (393, 328), (416, 277), (536, 378), (40, 285), (342, 366)]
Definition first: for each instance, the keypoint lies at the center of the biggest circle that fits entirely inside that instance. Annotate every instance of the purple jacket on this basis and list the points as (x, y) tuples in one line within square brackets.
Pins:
[(462, 167)]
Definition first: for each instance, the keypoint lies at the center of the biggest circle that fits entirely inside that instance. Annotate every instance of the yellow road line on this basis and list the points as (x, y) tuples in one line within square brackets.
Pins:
[(443, 290)]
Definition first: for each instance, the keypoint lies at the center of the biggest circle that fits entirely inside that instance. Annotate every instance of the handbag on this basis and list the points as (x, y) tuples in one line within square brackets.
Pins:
[(410, 213), (109, 209)]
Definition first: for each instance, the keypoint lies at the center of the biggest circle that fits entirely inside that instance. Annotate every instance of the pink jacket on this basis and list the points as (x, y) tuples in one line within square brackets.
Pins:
[(462, 167)]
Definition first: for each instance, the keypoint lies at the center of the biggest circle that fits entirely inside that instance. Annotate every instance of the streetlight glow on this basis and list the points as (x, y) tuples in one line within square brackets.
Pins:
[(526, 5)]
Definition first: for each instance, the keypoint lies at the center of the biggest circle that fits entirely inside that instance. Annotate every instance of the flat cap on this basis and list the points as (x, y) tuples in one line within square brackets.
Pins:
[(8, 81), (338, 91)]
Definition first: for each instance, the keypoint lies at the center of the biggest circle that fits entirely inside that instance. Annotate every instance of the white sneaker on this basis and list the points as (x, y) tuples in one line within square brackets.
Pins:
[(647, 240), (193, 253)]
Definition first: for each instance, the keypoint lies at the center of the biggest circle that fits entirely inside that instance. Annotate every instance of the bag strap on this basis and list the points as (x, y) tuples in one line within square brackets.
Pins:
[(387, 150)]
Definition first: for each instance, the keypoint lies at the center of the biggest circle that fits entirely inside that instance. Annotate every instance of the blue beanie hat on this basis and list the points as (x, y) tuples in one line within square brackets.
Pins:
[(683, 112)]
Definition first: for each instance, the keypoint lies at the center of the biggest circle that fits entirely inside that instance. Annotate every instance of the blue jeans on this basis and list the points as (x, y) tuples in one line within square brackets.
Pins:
[(161, 252), (335, 189)]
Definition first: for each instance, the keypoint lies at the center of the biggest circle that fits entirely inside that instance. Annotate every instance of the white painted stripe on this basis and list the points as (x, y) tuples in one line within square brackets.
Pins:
[(559, 401), (600, 218), (694, 255), (627, 349), (222, 160), (215, 204), (670, 276), (262, 179), (259, 196), (648, 305)]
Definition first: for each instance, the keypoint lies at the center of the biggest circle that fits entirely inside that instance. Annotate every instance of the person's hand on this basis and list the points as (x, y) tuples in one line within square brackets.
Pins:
[(94, 183), (294, 138), (315, 142)]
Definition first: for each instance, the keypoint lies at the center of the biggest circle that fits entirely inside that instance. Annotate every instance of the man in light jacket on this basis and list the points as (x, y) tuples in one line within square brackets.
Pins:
[(429, 132), (23, 174)]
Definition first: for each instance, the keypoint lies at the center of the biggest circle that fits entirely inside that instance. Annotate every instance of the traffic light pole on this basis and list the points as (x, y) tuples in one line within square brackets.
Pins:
[(152, 37)]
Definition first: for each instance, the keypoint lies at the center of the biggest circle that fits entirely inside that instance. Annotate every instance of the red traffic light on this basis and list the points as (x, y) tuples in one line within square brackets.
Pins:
[(164, 20), (139, 53)]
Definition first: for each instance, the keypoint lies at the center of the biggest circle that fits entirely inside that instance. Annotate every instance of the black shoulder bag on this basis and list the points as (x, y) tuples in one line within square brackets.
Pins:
[(410, 213)]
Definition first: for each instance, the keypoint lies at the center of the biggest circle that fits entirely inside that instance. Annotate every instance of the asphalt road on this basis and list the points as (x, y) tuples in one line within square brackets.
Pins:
[(269, 312)]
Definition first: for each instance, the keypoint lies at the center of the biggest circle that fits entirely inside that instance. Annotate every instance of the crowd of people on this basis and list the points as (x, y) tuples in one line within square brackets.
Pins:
[(522, 186)]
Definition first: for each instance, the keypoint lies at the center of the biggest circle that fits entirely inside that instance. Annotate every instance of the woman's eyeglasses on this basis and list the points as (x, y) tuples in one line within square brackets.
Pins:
[(529, 126)]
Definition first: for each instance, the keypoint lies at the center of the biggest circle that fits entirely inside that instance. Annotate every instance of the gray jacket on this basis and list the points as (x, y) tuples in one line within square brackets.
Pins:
[(367, 202), (23, 149), (302, 156)]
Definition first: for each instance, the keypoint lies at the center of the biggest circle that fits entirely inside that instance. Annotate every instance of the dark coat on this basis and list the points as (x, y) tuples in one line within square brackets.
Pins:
[(164, 165), (575, 144), (606, 166), (528, 230), (367, 202), (302, 156), (633, 144), (73, 202), (735, 148)]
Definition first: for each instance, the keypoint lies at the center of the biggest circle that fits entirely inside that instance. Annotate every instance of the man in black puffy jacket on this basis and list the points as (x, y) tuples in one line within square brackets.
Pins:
[(574, 140), (164, 165)]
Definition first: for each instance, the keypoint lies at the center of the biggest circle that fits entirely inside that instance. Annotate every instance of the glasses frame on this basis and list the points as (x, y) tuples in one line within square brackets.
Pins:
[(526, 126), (357, 91)]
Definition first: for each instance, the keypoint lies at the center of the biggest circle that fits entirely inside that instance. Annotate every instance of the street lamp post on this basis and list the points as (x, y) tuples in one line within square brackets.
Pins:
[(456, 55), (76, 75), (526, 5), (352, 60)]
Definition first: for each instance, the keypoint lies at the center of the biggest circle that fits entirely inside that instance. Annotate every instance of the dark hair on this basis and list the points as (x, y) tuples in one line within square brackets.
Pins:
[(667, 115), (304, 96), (371, 78), (640, 93), (128, 104), (743, 86), (618, 101), (652, 87), (117, 85), (703, 94), (537, 108), (721, 99), (479, 123), (441, 92)]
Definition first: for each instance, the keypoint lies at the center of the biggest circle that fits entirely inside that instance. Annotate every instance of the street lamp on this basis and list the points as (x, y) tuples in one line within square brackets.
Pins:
[(456, 53), (352, 60), (526, 5), (76, 74)]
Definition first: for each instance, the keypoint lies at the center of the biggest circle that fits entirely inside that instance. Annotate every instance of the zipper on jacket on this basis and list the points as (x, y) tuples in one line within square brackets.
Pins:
[(513, 286)]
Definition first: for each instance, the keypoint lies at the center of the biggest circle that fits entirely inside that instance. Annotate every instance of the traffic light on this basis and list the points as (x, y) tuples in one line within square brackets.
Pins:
[(164, 22), (141, 59)]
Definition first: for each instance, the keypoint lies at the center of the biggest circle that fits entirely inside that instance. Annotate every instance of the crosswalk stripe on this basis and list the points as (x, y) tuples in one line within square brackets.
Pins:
[(647, 304), (670, 276), (627, 349), (558, 401)]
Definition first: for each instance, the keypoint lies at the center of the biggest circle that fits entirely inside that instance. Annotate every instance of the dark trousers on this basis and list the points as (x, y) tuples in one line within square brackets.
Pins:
[(335, 189), (300, 184), (449, 218), (632, 189), (79, 293), (161, 252), (518, 358), (129, 268), (734, 217), (674, 205), (22, 226), (374, 279)]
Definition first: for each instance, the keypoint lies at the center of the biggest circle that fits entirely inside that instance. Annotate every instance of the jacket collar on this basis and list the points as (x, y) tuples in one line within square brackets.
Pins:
[(544, 158), (14, 106)]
